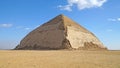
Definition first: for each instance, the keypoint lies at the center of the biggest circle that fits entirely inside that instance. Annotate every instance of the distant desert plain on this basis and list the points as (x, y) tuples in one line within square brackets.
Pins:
[(59, 59)]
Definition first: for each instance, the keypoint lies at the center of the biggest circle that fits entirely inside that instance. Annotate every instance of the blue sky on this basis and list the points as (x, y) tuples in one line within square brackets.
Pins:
[(19, 17)]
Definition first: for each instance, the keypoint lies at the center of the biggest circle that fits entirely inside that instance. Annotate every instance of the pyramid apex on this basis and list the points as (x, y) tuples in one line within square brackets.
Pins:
[(61, 15)]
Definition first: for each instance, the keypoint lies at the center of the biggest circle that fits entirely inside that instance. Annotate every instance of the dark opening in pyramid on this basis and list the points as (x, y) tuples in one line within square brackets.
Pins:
[(60, 33)]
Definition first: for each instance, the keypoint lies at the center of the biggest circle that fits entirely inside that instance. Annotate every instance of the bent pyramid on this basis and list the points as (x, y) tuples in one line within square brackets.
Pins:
[(60, 33)]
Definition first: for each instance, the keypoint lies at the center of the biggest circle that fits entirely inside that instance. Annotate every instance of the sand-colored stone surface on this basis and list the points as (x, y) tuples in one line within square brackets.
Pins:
[(59, 59), (78, 38), (60, 33)]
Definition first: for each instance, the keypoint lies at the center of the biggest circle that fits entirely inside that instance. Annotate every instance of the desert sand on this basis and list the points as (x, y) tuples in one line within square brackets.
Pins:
[(59, 59)]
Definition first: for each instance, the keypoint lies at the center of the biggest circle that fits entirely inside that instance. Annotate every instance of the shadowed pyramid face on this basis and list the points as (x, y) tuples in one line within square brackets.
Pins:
[(60, 33)]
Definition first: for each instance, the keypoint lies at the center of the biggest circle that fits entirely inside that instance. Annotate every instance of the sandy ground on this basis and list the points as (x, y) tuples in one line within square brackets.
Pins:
[(59, 59)]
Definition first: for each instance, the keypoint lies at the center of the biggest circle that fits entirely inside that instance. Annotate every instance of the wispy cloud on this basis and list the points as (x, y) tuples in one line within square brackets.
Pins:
[(6, 25), (67, 7), (114, 19), (111, 19), (27, 28), (23, 28), (82, 4)]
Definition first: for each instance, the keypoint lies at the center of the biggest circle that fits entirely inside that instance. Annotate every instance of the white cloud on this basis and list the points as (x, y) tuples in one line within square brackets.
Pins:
[(6, 25), (111, 19), (114, 19), (82, 4), (23, 28), (27, 28), (67, 7), (118, 19)]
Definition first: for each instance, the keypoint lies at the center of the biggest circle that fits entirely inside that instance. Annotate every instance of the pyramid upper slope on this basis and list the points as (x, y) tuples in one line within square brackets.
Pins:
[(66, 22)]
